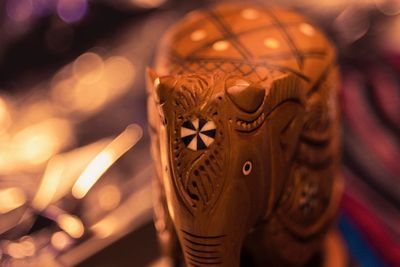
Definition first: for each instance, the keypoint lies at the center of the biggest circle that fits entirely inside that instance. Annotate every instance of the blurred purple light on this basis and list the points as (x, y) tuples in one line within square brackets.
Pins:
[(72, 10), (19, 10), (43, 7)]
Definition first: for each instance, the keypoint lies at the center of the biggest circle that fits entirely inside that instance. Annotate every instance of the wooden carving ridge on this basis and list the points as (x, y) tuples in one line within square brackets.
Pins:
[(203, 249), (250, 126)]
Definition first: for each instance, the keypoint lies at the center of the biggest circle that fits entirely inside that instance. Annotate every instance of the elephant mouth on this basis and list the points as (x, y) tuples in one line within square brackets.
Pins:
[(247, 126), (203, 250)]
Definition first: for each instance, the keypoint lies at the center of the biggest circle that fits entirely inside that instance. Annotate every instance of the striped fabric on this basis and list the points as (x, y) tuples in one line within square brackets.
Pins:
[(370, 209)]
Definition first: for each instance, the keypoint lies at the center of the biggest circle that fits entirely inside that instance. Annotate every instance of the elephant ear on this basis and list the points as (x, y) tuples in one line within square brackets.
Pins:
[(154, 122), (284, 109), (163, 222), (286, 99), (310, 197), (159, 87), (156, 95)]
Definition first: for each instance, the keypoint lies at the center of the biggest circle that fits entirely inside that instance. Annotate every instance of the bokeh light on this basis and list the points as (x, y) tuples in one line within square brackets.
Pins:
[(43, 7), (88, 68), (11, 198), (50, 182), (15, 250), (100, 164), (351, 24), (105, 227), (60, 240), (91, 82), (388, 7), (71, 225), (119, 73), (5, 116), (72, 10), (109, 197), (27, 246), (37, 143), (19, 10)]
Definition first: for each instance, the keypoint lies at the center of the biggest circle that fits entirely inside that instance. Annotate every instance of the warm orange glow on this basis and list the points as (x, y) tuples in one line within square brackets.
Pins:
[(35, 110), (92, 173), (10, 199), (22, 249), (37, 143), (89, 84), (74, 162), (15, 250), (60, 240), (90, 97), (117, 220), (119, 74), (75, 95), (71, 224), (33, 138), (88, 68), (100, 164), (5, 118), (148, 3), (62, 91), (49, 184), (109, 197), (27, 246), (105, 227)]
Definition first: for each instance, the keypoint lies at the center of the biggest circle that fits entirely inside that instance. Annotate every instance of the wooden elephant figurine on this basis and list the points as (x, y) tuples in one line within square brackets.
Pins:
[(243, 119)]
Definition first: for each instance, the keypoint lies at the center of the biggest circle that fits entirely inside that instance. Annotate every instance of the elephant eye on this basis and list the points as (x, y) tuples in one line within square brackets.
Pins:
[(247, 167)]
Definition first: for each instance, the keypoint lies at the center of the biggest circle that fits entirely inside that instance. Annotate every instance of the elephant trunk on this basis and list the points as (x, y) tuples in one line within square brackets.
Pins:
[(209, 250), (215, 237)]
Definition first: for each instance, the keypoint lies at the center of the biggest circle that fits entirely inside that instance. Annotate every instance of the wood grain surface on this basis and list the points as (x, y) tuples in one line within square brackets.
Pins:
[(244, 126)]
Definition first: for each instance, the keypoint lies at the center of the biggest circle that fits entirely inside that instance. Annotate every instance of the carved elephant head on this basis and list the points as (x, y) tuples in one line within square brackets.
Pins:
[(226, 149)]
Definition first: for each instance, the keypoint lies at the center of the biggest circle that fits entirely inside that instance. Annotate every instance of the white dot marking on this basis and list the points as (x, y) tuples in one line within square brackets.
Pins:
[(220, 45), (198, 35), (249, 14), (271, 43), (307, 29), (247, 168)]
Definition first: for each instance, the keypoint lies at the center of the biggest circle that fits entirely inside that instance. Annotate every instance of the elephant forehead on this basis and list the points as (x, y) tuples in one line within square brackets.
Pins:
[(197, 155)]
